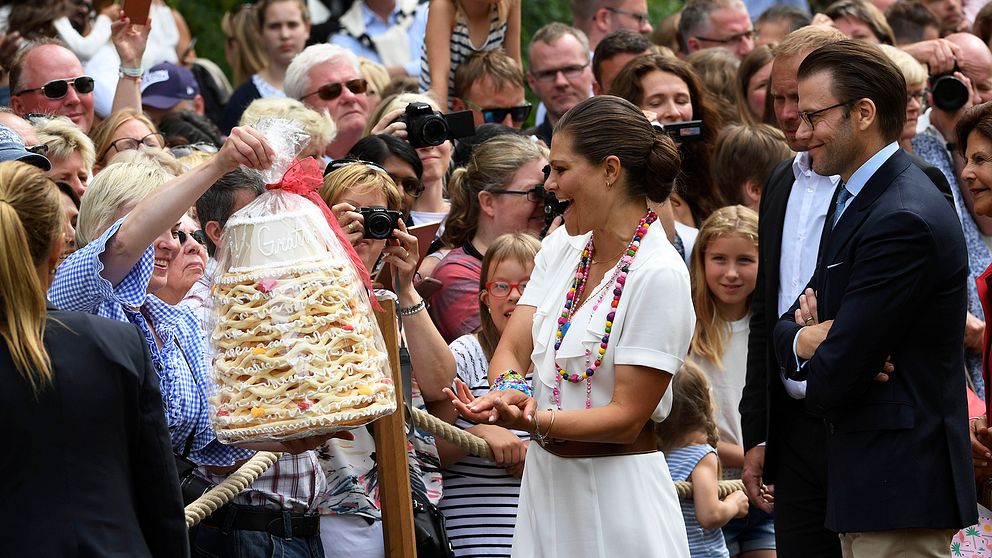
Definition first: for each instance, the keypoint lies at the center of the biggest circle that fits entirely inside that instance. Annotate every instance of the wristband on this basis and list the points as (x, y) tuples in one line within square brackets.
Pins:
[(411, 310), (511, 379), (131, 72)]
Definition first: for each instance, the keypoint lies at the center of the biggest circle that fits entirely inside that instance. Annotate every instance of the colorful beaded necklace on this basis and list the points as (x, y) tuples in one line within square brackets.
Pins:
[(573, 297)]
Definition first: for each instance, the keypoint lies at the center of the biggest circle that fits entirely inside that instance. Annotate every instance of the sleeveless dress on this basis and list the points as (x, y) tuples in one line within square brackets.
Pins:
[(703, 543), (462, 48), (604, 507)]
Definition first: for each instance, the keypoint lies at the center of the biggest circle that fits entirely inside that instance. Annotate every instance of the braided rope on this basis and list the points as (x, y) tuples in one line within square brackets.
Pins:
[(477, 446), (224, 492)]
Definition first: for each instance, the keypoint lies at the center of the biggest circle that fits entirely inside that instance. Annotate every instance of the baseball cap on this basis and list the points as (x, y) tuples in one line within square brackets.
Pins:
[(165, 84), (12, 149)]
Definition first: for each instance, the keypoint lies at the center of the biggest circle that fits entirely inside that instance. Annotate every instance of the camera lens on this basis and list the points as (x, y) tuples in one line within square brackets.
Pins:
[(379, 225), (434, 131), (949, 93)]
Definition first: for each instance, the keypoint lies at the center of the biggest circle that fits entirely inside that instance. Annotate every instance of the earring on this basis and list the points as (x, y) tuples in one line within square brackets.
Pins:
[(609, 185)]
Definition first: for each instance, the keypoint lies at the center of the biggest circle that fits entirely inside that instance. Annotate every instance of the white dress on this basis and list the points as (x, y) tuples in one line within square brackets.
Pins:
[(604, 507)]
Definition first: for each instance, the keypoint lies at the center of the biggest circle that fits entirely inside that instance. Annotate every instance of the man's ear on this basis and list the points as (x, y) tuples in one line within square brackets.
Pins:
[(599, 19), (458, 104), (751, 191), (865, 113), (17, 104), (213, 231), (692, 44)]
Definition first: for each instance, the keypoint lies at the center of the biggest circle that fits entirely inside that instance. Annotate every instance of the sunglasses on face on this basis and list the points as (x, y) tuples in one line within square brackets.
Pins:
[(498, 114), (40, 149), (411, 186), (58, 88), (331, 91), (180, 151), (198, 236), (154, 139), (502, 289)]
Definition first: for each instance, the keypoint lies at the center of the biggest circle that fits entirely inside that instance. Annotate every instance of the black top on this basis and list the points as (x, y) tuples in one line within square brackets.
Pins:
[(236, 105)]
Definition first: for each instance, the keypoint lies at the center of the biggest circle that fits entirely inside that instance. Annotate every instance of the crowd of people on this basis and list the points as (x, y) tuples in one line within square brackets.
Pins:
[(771, 229)]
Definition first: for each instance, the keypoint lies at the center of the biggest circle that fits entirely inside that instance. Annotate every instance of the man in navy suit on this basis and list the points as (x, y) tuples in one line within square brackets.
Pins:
[(889, 285)]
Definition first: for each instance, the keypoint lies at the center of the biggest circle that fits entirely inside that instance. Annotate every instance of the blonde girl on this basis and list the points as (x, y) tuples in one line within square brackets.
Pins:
[(456, 29)]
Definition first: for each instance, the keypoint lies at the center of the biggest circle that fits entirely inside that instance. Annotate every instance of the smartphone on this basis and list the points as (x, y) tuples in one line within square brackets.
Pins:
[(137, 10), (188, 51)]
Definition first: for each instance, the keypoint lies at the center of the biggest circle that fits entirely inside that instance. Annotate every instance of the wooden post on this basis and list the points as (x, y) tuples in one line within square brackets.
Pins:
[(390, 449)]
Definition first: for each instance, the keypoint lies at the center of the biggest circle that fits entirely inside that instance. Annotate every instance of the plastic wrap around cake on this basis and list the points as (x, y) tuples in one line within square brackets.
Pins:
[(296, 349)]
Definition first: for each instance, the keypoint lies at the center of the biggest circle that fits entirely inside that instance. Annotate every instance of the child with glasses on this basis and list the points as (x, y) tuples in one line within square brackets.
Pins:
[(480, 496), (458, 28)]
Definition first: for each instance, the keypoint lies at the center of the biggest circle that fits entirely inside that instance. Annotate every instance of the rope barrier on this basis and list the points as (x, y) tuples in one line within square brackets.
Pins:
[(477, 446), (213, 499)]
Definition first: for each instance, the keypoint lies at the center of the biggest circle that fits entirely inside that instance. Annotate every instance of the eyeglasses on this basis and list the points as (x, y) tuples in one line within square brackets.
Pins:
[(570, 72), (40, 149), (733, 39), (535, 194), (331, 91), (502, 289), (920, 96), (642, 19), (154, 139), (807, 116), (411, 186), (58, 88), (499, 114), (198, 236), (180, 151)]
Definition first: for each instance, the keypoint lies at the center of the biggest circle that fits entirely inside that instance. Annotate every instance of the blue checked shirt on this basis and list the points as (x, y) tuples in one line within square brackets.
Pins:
[(180, 362)]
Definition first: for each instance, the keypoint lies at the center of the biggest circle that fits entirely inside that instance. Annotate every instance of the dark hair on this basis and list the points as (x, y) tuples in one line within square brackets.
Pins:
[(484, 132), (190, 126), (859, 71), (379, 147), (784, 12), (606, 125), (746, 153), (909, 18), (67, 190), (864, 12), (695, 181), (692, 409), (217, 202), (717, 70), (983, 24), (755, 60), (976, 119), (623, 41)]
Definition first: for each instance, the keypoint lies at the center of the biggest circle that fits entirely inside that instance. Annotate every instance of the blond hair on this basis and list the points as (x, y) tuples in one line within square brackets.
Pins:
[(807, 39), (376, 74), (31, 220), (63, 138), (151, 156), (712, 329), (116, 190), (103, 133), (693, 410), (397, 101), (519, 247), (359, 178), (241, 28), (318, 125), (911, 69), (495, 65)]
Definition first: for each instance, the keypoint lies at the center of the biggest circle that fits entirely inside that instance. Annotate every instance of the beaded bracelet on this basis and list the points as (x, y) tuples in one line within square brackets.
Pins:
[(411, 310), (511, 379)]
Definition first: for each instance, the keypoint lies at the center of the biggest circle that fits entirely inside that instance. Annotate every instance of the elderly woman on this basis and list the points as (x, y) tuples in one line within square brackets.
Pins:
[(612, 274), (72, 153), (916, 91), (124, 130), (500, 191), (351, 466), (91, 442), (188, 265)]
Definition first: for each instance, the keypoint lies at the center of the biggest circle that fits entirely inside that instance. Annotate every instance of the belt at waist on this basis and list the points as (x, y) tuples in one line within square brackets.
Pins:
[(645, 443), (278, 523)]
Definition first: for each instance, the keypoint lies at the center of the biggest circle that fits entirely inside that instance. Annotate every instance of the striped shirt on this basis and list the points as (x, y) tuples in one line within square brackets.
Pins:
[(480, 497), (462, 48), (708, 543)]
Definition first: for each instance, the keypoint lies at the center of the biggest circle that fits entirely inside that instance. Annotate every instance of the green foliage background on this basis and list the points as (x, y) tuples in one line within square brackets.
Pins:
[(203, 17)]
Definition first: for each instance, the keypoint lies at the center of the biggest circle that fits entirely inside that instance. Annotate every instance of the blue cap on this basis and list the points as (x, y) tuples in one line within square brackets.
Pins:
[(12, 149), (166, 84)]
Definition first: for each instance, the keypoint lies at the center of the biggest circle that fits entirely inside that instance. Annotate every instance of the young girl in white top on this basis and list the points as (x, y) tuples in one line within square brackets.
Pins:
[(723, 266), (456, 29)]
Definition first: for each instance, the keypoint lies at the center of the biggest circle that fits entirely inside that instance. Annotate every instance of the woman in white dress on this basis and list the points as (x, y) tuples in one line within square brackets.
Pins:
[(606, 321)]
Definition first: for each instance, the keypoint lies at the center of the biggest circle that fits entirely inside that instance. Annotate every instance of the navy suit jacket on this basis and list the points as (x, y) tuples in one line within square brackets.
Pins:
[(88, 468), (892, 277)]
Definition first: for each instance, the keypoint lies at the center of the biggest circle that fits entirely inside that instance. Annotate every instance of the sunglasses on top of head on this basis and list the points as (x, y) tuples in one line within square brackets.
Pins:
[(331, 91), (58, 88)]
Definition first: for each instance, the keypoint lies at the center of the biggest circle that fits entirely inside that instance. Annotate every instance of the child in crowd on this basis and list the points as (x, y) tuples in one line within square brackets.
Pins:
[(689, 438), (480, 496), (724, 266), (744, 157), (454, 28)]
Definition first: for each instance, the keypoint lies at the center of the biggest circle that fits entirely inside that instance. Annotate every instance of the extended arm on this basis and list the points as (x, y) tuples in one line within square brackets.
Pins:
[(440, 22)]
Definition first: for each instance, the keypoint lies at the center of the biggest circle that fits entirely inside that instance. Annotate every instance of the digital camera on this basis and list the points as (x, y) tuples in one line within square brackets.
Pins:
[(426, 127), (681, 132), (949, 93), (379, 222)]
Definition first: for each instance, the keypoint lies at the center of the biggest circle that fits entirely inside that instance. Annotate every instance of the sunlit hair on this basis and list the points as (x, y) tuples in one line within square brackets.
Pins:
[(31, 220), (519, 247), (712, 329), (693, 410), (491, 166), (376, 74), (194, 158), (393, 102), (113, 193), (63, 138), (318, 125), (359, 178), (103, 133), (296, 84), (914, 72), (152, 156), (240, 27)]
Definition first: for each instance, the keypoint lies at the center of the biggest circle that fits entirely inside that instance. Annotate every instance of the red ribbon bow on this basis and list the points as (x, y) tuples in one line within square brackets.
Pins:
[(304, 178)]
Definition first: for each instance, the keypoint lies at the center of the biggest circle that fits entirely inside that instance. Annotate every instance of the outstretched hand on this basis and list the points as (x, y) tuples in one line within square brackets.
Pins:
[(245, 146), (508, 408), (130, 39)]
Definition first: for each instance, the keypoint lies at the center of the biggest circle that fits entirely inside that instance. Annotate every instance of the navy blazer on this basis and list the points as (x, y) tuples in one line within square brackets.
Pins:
[(88, 468), (892, 277)]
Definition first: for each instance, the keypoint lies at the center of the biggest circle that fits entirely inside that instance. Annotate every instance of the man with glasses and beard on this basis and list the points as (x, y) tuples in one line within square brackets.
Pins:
[(327, 78)]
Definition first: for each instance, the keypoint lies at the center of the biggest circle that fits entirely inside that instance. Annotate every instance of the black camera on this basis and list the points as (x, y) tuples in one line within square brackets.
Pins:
[(681, 132), (949, 93), (379, 222), (426, 127)]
